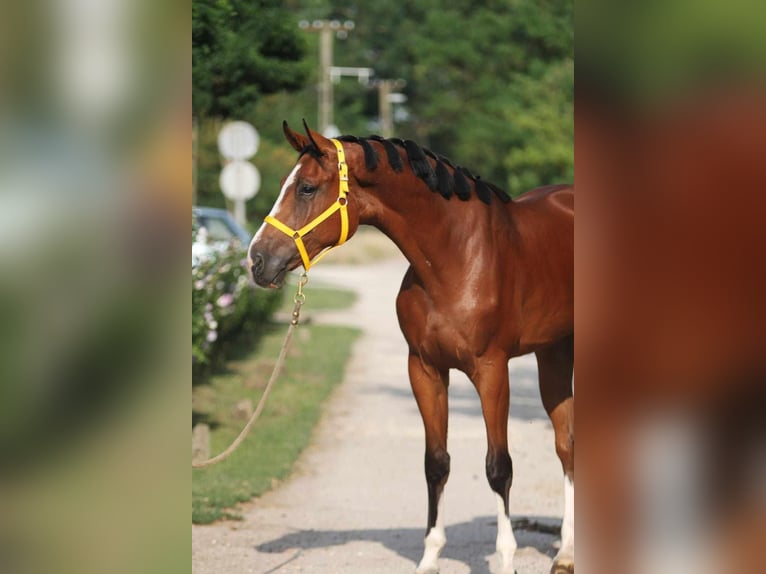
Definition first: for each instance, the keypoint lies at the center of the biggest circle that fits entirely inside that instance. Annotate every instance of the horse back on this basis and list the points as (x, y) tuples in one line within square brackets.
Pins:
[(560, 196), (542, 265)]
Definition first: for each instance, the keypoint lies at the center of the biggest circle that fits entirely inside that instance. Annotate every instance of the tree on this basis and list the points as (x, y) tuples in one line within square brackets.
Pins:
[(490, 83), (242, 49)]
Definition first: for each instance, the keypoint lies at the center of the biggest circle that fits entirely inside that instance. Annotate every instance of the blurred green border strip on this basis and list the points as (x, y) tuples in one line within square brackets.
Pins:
[(651, 53), (95, 180)]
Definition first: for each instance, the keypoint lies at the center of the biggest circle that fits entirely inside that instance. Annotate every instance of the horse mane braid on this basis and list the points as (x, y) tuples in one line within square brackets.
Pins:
[(484, 193), (446, 160), (504, 197), (420, 164), (394, 159), (370, 155), (444, 180), (462, 187), (442, 177)]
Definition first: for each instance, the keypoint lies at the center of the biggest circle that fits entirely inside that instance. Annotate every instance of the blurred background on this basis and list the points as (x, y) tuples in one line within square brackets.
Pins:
[(671, 362), (95, 179)]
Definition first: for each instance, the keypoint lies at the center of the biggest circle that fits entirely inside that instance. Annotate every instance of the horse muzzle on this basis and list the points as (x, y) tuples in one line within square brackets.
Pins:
[(268, 271)]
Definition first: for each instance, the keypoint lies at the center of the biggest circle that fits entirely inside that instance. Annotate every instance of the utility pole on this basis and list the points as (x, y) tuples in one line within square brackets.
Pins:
[(326, 30), (384, 109), (386, 97)]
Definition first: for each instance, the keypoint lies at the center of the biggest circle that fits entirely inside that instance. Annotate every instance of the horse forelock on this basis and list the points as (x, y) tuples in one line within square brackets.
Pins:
[(312, 150)]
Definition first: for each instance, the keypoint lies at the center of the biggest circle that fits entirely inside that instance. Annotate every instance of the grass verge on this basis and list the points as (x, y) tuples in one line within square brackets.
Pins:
[(319, 299), (314, 366)]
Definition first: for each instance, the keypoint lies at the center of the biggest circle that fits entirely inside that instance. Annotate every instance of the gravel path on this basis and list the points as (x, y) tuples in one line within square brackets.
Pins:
[(356, 502)]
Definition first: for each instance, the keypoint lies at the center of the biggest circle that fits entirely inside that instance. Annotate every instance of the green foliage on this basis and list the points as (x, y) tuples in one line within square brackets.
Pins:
[(242, 49), (225, 304), (489, 84), (668, 50), (322, 298)]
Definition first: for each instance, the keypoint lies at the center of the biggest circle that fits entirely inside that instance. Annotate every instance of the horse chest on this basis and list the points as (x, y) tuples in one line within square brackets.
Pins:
[(448, 333)]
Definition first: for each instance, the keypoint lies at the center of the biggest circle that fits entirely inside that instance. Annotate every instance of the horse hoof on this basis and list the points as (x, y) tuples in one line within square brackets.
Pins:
[(429, 570), (563, 566)]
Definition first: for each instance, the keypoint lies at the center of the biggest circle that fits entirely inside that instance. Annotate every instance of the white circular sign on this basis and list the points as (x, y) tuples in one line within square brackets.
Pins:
[(240, 180), (238, 140)]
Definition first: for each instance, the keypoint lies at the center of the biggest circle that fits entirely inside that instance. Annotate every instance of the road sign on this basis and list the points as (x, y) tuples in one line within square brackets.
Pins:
[(238, 140), (240, 180)]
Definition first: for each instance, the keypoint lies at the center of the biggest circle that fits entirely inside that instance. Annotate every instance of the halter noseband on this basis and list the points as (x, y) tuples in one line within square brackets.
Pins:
[(341, 204)]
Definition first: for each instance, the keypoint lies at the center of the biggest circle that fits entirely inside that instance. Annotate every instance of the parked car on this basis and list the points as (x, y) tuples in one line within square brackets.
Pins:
[(214, 230)]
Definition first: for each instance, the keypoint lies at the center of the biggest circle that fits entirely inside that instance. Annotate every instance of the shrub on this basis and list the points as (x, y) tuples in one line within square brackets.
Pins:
[(225, 303)]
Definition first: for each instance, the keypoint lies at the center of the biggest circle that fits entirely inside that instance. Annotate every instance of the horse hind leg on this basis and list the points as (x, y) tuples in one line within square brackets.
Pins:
[(492, 385), (555, 366), (430, 389)]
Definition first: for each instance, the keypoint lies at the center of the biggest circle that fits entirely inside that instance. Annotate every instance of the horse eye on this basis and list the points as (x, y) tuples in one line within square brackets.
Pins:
[(307, 189)]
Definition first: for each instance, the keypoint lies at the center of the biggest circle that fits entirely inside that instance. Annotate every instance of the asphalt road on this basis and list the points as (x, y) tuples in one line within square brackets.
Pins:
[(356, 502)]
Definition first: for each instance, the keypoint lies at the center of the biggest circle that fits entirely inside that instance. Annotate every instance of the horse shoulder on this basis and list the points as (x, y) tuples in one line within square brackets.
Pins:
[(412, 309), (437, 330)]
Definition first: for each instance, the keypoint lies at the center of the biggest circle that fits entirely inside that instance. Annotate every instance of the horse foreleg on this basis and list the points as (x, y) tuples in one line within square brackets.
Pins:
[(555, 365), (429, 386), (492, 384)]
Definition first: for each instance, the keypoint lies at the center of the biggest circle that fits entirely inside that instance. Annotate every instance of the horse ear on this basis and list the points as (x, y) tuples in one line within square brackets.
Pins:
[(297, 140), (321, 143)]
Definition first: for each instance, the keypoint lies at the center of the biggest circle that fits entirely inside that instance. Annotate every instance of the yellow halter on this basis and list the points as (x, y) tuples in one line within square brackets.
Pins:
[(341, 204)]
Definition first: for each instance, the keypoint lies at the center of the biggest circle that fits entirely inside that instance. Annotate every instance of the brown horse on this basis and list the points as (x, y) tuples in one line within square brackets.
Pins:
[(489, 279)]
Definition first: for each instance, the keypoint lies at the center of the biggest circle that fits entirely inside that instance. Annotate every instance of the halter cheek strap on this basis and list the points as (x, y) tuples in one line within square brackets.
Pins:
[(341, 204)]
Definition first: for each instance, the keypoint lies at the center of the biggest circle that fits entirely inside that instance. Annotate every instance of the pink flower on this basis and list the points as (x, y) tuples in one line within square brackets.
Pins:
[(225, 300), (211, 336)]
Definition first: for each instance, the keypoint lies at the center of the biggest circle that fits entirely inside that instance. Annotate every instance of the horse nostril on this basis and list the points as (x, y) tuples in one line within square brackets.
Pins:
[(257, 268)]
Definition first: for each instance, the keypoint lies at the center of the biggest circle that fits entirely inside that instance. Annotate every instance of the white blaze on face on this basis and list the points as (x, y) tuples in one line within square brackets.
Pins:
[(278, 204)]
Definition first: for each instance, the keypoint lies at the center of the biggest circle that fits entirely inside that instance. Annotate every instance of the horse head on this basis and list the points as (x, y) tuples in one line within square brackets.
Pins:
[(312, 213)]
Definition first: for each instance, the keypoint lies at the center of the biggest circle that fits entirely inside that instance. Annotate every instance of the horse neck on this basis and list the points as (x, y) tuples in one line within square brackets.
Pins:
[(438, 237)]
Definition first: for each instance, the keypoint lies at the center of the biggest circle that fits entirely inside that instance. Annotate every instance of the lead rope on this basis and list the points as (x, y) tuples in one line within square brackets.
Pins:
[(299, 299)]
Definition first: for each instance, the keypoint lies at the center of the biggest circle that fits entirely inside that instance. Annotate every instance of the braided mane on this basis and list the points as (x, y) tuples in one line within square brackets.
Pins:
[(442, 177)]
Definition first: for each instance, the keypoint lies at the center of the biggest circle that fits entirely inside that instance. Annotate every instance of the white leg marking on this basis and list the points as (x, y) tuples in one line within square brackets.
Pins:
[(278, 204), (567, 524), (506, 541), (434, 542)]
